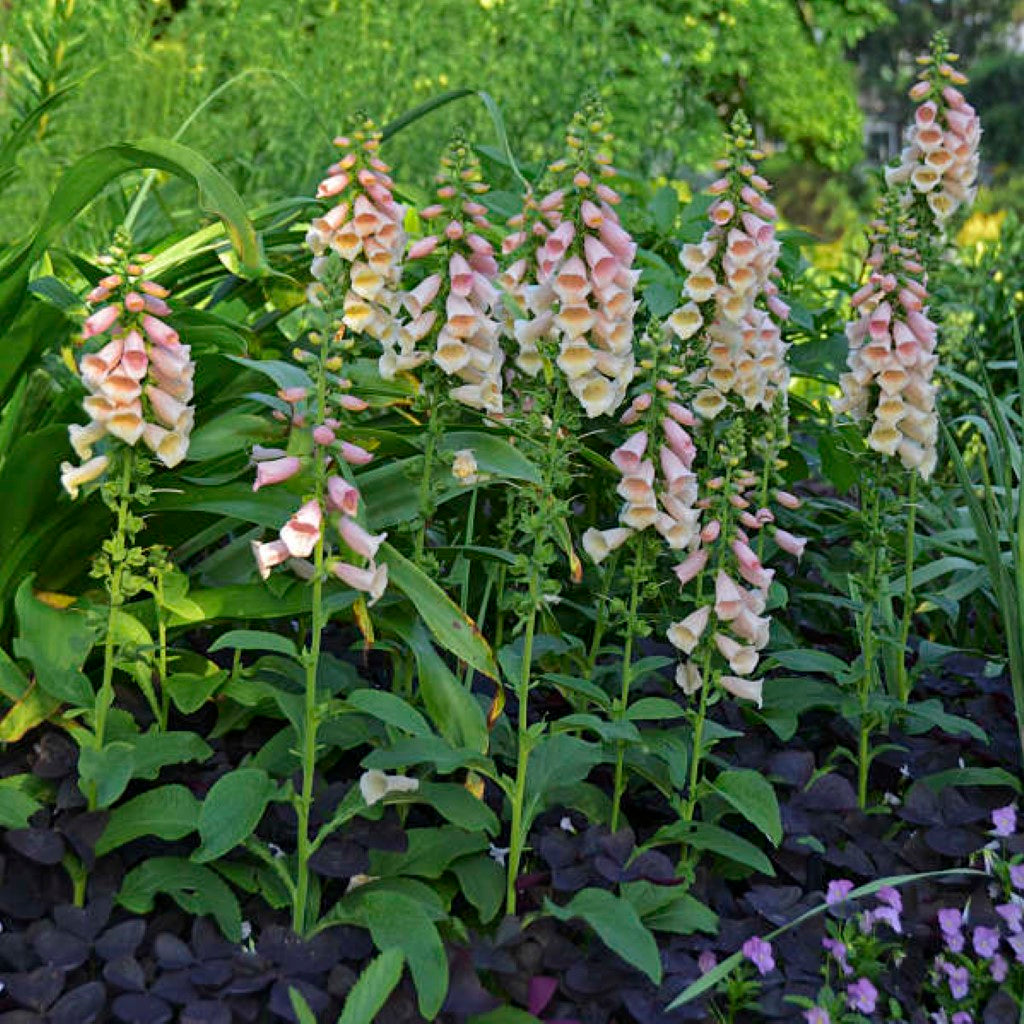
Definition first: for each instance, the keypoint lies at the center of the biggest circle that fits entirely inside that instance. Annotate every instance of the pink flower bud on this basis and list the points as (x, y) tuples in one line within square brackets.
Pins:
[(790, 544), (423, 247), (692, 565), (711, 532), (454, 230), (353, 403), (100, 321), (159, 332), (275, 471), (354, 455), (323, 435), (359, 540)]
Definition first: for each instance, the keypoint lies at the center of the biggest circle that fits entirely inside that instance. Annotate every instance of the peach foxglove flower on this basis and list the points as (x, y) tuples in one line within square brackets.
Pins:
[(688, 678), (464, 467), (599, 544), (686, 634), (693, 564), (74, 477), (302, 531), (342, 496), (269, 555)]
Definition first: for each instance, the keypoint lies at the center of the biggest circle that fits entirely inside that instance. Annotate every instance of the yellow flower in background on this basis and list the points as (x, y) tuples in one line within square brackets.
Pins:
[(981, 228)]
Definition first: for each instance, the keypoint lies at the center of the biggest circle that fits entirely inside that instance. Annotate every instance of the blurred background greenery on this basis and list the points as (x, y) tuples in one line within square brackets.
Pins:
[(824, 81)]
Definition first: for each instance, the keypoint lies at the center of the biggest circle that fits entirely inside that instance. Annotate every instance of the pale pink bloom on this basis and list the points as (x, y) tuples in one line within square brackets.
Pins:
[(354, 455), (159, 332), (628, 456), (598, 544), (422, 295), (292, 395), (269, 555), (100, 321), (302, 531), (681, 414), (750, 566), (711, 532), (372, 580), (789, 543), (342, 496), (423, 247), (275, 471), (358, 539), (745, 689), (692, 565), (323, 435), (728, 597)]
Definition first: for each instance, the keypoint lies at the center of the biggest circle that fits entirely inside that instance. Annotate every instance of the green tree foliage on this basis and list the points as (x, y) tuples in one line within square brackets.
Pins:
[(670, 70)]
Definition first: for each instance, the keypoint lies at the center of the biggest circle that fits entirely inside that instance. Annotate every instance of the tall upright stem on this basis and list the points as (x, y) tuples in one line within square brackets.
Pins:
[(517, 836), (118, 553), (871, 505), (903, 678), (311, 657), (429, 452), (698, 739), (619, 785)]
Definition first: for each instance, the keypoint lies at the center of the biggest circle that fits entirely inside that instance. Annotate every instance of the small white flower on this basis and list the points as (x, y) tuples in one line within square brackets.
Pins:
[(375, 785), (498, 854), (566, 825)]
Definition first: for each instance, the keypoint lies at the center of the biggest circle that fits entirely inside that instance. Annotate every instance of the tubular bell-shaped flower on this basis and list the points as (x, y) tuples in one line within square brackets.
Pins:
[(139, 382), (728, 331), (363, 229), (452, 312), (939, 163), (892, 360), (573, 279)]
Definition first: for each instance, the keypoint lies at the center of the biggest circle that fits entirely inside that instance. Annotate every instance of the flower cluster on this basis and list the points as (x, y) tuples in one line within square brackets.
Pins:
[(574, 278), (364, 230), (892, 357), (940, 159), (730, 293), (983, 956), (140, 382), (455, 309)]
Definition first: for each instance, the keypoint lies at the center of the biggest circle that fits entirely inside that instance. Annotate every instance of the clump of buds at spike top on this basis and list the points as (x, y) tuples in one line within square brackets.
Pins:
[(362, 232), (452, 311), (573, 276), (731, 301), (939, 163), (137, 373), (892, 359)]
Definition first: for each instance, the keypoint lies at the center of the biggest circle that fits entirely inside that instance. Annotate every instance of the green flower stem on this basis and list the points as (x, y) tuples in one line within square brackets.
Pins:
[(311, 657), (693, 782), (105, 697), (517, 837), (871, 507), (434, 431), (619, 786), (161, 655), (903, 678)]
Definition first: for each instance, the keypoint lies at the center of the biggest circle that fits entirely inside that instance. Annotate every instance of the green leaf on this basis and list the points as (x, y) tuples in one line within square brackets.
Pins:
[(425, 750), (504, 1015), (226, 434), (284, 375), (109, 769), (556, 762), (482, 882), (370, 992), (300, 1007), (752, 795), (254, 640), (809, 660), (56, 642), (452, 628), (618, 926), (396, 921), (169, 812), (653, 709), (16, 806), (971, 777), (190, 690), (231, 811), (154, 750), (196, 889), (931, 714), (493, 455), (452, 708), (454, 803), (430, 852), (717, 840), (390, 709)]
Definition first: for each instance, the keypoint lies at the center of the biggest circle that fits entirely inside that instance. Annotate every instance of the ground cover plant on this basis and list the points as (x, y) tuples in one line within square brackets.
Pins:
[(547, 602)]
